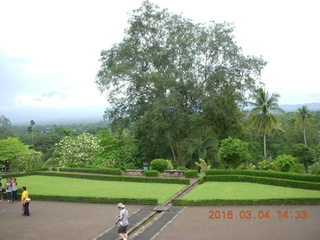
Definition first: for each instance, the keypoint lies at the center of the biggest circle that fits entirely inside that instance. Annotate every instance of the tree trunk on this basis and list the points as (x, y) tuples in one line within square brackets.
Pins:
[(264, 146), (304, 136)]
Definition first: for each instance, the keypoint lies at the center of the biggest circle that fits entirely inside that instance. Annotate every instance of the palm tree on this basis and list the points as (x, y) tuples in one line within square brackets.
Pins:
[(262, 117), (304, 119)]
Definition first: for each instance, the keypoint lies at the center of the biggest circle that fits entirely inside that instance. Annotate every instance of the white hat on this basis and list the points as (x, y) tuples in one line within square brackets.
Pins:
[(120, 205)]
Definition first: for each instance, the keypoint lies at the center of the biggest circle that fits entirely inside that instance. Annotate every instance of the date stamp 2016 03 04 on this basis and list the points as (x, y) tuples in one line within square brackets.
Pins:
[(260, 214)]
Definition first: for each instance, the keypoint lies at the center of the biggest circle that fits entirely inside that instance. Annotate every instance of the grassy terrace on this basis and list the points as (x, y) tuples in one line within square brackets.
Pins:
[(61, 186), (243, 190)]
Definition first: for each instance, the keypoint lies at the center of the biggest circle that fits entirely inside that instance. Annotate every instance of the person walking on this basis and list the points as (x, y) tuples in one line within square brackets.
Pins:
[(14, 189), (25, 201), (0, 189), (123, 221), (9, 189)]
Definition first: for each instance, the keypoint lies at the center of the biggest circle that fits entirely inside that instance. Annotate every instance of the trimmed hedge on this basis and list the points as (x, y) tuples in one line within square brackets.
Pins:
[(191, 174), (117, 178), (151, 173), (264, 173), (111, 171), (263, 180), (137, 201), (238, 202)]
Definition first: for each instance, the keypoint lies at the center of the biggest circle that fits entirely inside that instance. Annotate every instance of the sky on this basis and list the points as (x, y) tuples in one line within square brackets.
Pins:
[(49, 50)]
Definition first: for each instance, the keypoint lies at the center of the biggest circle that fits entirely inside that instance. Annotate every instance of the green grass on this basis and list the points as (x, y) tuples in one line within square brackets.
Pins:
[(60, 186), (241, 190)]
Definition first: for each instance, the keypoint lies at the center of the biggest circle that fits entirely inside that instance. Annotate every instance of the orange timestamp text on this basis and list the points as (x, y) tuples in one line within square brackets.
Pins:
[(260, 214)]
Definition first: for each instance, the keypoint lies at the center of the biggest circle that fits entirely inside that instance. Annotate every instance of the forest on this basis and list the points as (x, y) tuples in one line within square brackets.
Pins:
[(180, 91)]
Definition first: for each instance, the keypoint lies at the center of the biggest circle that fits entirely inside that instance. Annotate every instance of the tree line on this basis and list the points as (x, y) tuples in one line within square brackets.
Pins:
[(181, 91)]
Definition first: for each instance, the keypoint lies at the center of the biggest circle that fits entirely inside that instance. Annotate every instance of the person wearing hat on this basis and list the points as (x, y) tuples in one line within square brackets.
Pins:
[(123, 222)]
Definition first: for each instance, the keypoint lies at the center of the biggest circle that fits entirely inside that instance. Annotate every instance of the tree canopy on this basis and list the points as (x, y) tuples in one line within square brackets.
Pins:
[(175, 79)]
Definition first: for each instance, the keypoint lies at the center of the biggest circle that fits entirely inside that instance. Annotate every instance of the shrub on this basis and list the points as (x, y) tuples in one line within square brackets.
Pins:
[(284, 163), (265, 164), (170, 166), (270, 174), (116, 178), (263, 180), (182, 168), (314, 168), (234, 152), (111, 171), (159, 164), (151, 173), (298, 168), (191, 174), (203, 165)]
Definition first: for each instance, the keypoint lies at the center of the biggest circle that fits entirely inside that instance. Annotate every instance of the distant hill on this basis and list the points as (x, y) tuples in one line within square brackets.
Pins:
[(294, 108)]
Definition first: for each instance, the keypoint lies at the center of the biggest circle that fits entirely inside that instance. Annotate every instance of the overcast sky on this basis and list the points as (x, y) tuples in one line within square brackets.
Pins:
[(49, 50)]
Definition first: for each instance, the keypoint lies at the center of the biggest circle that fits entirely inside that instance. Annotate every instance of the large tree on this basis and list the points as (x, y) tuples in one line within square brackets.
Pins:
[(172, 77), (262, 116)]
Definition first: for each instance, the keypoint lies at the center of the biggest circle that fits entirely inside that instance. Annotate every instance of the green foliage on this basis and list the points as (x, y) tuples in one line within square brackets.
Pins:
[(18, 156), (79, 151), (119, 152), (182, 168), (265, 165), (314, 168), (263, 180), (111, 171), (151, 173), (304, 119), (202, 165), (305, 154), (191, 174), (246, 202), (262, 116), (5, 127), (174, 79), (117, 178), (269, 174), (133, 201), (234, 152), (284, 163), (159, 165)]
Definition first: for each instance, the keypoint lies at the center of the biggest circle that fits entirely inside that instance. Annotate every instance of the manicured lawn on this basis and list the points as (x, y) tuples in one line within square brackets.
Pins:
[(60, 186), (241, 190)]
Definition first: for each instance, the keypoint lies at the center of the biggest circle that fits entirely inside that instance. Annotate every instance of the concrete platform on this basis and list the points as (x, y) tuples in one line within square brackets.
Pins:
[(57, 220)]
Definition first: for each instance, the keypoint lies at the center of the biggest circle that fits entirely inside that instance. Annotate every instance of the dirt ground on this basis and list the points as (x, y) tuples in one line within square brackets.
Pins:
[(193, 223), (57, 220)]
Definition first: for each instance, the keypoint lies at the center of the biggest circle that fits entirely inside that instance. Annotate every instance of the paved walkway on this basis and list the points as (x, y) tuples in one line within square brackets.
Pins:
[(57, 220), (194, 224)]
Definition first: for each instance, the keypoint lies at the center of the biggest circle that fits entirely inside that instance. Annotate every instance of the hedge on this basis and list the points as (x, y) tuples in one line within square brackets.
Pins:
[(263, 180), (111, 171), (117, 178), (264, 173), (191, 174), (137, 201), (226, 202), (151, 173)]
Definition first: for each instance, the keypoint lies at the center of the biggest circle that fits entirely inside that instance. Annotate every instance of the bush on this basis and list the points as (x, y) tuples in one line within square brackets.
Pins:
[(182, 168), (234, 152), (116, 178), (159, 164), (111, 171), (284, 163), (263, 180), (298, 168), (191, 174), (147, 201), (270, 174), (228, 202), (265, 164), (151, 173), (314, 168)]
